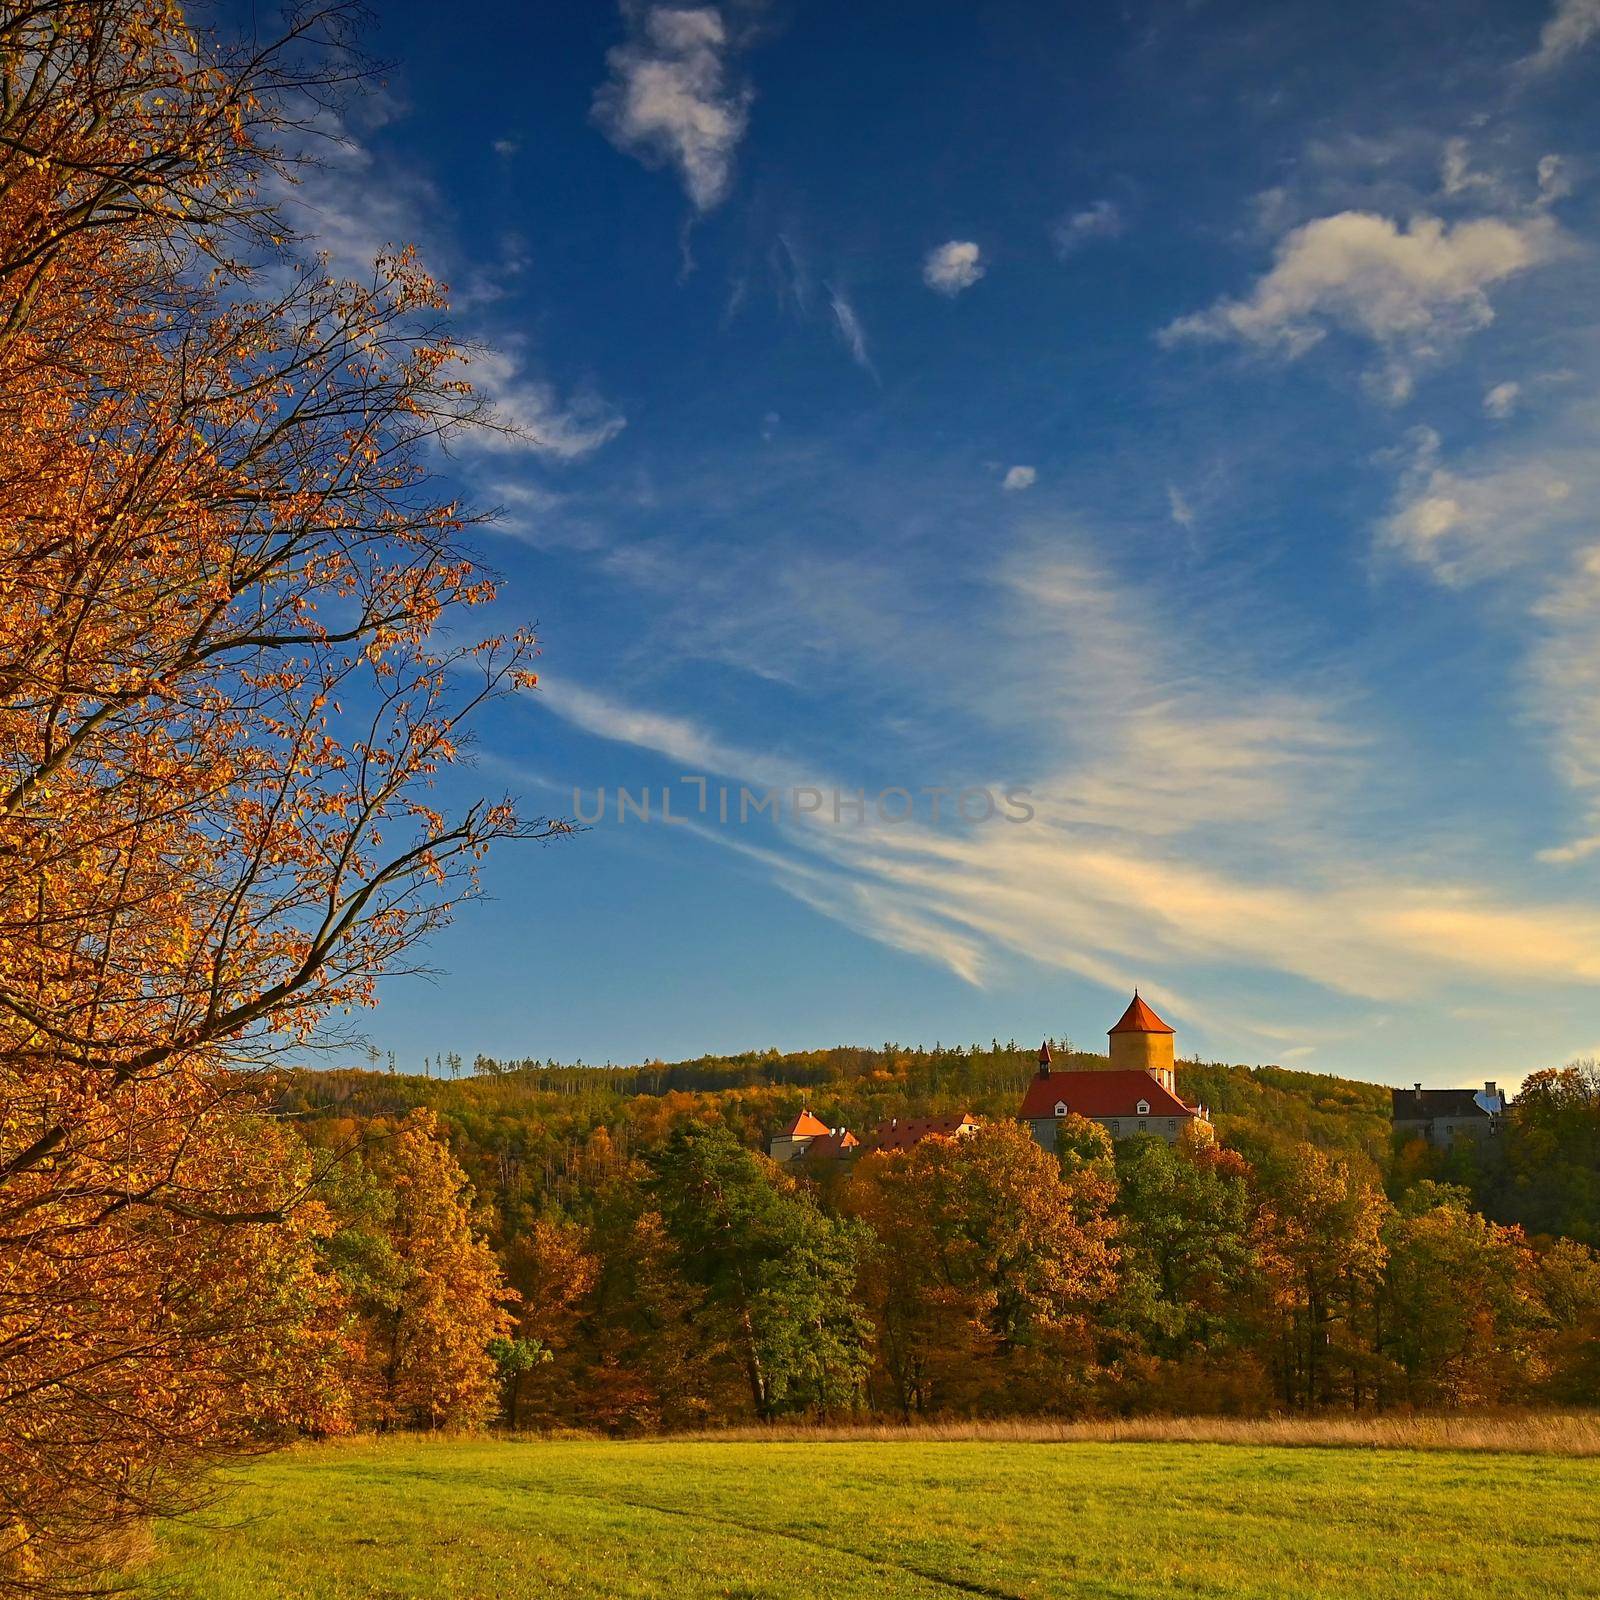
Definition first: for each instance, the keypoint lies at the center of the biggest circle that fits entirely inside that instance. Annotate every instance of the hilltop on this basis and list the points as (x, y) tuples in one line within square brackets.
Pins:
[(527, 1129)]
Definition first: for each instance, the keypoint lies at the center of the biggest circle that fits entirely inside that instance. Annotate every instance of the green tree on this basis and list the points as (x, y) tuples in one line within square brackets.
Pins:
[(1549, 1180), (776, 1276), (1189, 1270)]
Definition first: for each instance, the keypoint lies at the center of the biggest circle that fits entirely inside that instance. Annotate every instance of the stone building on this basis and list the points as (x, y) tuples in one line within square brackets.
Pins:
[(1442, 1116)]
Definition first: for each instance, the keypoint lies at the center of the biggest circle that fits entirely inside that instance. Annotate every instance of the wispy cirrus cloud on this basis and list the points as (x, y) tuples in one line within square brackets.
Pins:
[(1102, 219), (850, 329), (1501, 400), (1134, 860), (673, 99), (1564, 675), (1517, 520), (537, 418), (1512, 510), (353, 208), (1569, 27)]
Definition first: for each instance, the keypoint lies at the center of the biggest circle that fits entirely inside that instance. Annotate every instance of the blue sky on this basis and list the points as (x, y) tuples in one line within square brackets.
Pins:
[(1185, 413)]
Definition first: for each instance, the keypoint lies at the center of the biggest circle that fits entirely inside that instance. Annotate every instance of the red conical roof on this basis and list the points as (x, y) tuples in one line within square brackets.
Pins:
[(1139, 1018), (1044, 1054), (805, 1124)]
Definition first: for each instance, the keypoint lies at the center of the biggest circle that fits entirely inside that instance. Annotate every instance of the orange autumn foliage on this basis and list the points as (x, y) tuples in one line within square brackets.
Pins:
[(424, 1317), (223, 576), (991, 1261)]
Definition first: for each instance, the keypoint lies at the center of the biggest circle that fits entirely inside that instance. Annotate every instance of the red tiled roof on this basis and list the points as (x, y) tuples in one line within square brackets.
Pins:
[(901, 1134), (1139, 1018), (803, 1125), (1101, 1094), (832, 1145)]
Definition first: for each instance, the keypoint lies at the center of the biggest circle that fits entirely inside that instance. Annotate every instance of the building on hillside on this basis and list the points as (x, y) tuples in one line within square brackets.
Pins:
[(1442, 1116), (835, 1145), (901, 1133), (811, 1136), (1137, 1092)]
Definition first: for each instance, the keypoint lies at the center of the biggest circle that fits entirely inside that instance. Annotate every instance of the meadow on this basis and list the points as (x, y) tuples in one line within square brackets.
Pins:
[(894, 1516)]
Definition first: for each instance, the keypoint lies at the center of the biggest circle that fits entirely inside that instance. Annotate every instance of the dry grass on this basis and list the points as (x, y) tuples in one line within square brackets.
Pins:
[(1562, 1433)]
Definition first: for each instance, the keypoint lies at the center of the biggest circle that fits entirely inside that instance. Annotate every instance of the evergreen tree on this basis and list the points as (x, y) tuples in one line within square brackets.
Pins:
[(776, 1277)]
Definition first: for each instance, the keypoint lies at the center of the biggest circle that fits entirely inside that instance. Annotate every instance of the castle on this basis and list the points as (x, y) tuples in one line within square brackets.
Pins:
[(1137, 1092)]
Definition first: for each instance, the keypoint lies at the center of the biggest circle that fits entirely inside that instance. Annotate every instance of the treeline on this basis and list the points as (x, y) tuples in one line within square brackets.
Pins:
[(523, 1131), (663, 1274)]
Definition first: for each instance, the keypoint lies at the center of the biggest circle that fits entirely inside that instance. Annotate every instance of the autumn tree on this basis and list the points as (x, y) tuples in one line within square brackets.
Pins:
[(990, 1263), (655, 1362), (426, 1290), (554, 1272), (228, 679), (1319, 1239), (1568, 1286), (1462, 1320)]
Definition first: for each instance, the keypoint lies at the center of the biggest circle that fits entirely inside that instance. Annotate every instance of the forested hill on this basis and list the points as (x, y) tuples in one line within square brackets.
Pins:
[(539, 1118)]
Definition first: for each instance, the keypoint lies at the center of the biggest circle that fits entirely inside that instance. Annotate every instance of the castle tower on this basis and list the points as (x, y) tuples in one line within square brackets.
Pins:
[(1142, 1041)]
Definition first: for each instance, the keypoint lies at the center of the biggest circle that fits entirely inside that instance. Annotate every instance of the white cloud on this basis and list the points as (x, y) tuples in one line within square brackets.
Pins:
[(850, 328), (540, 421), (1101, 220), (1564, 670), (670, 98), (679, 738), (1019, 478), (1178, 506), (1501, 400), (1464, 525), (1412, 290), (1455, 170), (1554, 184), (353, 207), (1525, 514), (953, 267), (1568, 29), (1121, 871)]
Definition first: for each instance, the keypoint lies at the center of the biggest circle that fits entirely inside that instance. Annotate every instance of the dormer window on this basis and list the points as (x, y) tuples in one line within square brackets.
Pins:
[(1061, 1108), (1143, 1108)]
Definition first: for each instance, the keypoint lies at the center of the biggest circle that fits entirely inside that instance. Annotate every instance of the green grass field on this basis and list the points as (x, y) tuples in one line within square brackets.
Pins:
[(888, 1519)]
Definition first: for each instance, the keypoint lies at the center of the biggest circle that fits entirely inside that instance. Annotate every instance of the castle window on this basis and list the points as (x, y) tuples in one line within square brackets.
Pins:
[(1144, 1127), (1172, 1124), (1061, 1108), (1113, 1124), (1143, 1108)]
